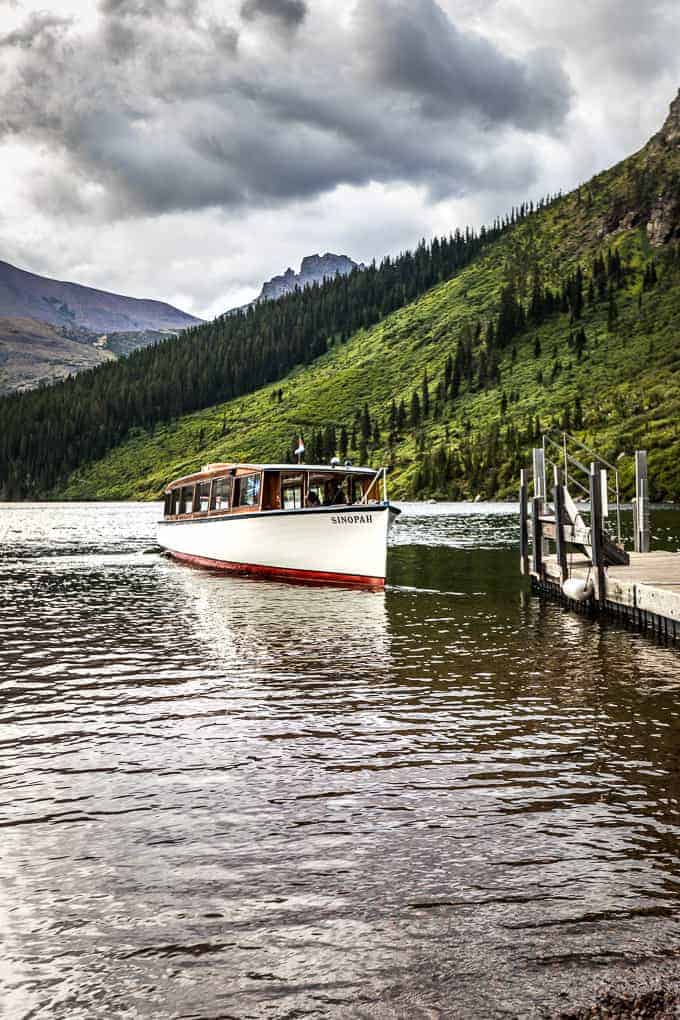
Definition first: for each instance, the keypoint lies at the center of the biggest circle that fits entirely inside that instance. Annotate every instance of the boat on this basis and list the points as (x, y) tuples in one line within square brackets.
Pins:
[(317, 523)]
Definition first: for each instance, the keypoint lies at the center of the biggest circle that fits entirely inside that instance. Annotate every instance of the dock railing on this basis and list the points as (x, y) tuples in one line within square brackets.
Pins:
[(551, 520), (558, 450)]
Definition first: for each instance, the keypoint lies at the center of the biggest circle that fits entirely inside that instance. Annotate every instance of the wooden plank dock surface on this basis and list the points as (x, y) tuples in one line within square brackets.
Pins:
[(646, 592)]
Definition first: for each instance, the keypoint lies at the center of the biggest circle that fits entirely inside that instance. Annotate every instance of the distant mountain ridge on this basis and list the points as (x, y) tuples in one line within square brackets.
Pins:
[(33, 353), (313, 269), (50, 329), (60, 303)]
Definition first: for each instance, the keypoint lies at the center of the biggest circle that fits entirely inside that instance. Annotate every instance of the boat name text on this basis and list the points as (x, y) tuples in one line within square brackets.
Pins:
[(352, 519)]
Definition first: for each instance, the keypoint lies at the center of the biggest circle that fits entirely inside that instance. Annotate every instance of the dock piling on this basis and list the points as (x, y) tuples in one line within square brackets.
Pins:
[(540, 488), (561, 545), (523, 521), (596, 543), (536, 536), (641, 522)]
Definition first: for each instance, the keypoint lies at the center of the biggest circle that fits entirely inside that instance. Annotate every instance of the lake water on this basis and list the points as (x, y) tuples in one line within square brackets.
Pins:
[(232, 798)]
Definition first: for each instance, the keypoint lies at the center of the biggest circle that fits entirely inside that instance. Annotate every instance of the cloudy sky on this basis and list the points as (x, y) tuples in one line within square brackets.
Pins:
[(189, 149)]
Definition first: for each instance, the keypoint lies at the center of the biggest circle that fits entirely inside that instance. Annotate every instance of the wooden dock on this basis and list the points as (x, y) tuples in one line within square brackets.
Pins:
[(645, 594), (590, 571)]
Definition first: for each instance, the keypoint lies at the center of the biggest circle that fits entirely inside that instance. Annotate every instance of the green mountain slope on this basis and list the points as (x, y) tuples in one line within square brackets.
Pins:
[(45, 435), (583, 300)]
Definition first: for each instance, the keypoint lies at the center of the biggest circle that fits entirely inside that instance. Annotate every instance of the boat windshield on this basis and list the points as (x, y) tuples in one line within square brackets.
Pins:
[(337, 488)]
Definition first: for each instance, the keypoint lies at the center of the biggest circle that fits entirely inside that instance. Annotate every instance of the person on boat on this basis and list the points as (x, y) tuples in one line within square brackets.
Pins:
[(313, 498), (336, 496)]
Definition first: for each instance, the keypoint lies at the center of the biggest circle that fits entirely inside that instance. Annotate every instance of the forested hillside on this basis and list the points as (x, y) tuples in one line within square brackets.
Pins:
[(47, 434), (567, 315)]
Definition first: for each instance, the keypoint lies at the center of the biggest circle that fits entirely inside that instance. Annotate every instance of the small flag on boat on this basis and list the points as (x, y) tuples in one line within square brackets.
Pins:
[(300, 448)]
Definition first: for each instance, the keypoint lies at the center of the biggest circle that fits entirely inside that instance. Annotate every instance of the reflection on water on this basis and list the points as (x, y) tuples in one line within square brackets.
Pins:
[(223, 797)]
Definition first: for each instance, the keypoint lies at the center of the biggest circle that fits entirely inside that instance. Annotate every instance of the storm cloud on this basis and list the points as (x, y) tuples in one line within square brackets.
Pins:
[(418, 51), (290, 12), (396, 93), (189, 149), (40, 26)]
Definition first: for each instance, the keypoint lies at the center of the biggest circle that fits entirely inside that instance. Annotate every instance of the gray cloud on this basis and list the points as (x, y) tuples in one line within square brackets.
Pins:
[(151, 149), (417, 50), (193, 122), (149, 9), (291, 12), (39, 28)]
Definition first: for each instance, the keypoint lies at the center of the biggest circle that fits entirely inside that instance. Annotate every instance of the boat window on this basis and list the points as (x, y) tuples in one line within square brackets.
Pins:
[(370, 487), (291, 492), (221, 493), (248, 490), (202, 497), (354, 489), (335, 491), (331, 488), (315, 494), (187, 499), (177, 498), (167, 504)]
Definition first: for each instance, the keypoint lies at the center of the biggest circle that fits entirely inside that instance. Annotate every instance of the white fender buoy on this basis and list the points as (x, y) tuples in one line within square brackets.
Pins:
[(578, 589)]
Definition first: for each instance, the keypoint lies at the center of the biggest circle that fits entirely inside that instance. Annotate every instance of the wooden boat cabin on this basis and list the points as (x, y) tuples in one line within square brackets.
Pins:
[(221, 489)]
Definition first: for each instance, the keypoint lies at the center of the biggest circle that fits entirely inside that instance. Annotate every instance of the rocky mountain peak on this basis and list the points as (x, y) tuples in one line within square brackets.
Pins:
[(313, 269), (670, 132), (663, 152), (326, 265)]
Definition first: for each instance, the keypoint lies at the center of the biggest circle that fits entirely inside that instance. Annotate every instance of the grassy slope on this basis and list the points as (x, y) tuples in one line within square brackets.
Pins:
[(628, 379)]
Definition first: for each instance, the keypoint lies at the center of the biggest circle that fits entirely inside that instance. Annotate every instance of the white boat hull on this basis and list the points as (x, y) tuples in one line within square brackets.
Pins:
[(341, 545)]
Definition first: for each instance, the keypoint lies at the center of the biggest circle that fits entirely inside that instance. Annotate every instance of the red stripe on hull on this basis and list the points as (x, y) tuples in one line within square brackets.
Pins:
[(282, 573)]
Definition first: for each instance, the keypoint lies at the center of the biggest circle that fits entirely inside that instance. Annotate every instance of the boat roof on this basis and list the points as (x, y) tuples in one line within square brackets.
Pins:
[(213, 470)]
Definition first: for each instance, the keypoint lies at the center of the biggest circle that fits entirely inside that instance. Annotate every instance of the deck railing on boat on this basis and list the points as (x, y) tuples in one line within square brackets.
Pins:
[(380, 473)]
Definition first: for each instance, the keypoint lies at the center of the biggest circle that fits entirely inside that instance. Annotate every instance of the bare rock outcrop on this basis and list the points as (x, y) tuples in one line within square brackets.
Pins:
[(651, 196), (663, 223), (313, 269), (669, 135)]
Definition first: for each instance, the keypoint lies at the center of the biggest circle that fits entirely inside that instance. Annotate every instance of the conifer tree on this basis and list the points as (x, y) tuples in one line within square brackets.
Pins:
[(415, 410), (578, 413), (426, 395), (401, 417), (448, 372), (612, 312), (392, 420), (365, 423)]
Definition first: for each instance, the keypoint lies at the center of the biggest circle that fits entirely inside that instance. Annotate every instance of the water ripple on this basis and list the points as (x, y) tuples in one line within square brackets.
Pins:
[(228, 797)]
